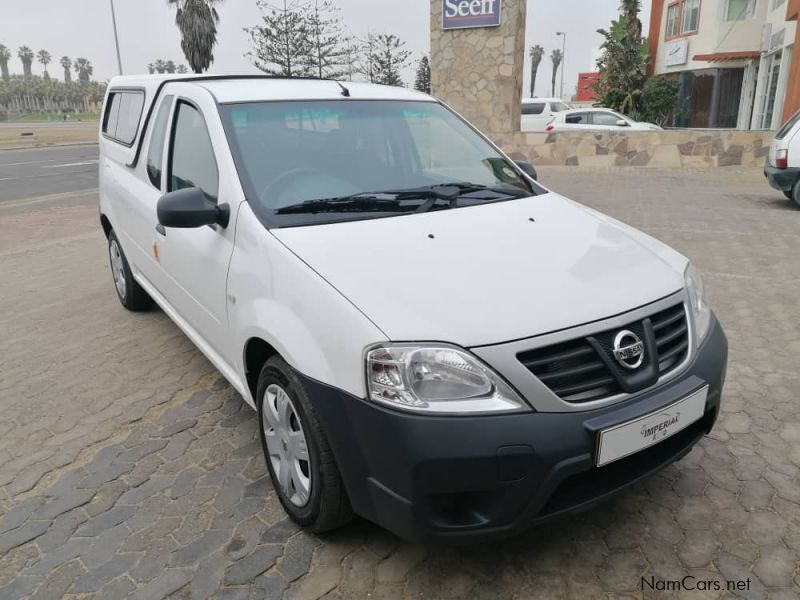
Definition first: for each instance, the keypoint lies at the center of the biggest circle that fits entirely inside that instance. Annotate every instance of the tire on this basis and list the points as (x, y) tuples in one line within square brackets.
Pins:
[(796, 194), (131, 295), (312, 492)]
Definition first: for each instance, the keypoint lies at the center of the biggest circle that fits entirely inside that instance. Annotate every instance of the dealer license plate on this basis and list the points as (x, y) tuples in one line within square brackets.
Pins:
[(631, 437)]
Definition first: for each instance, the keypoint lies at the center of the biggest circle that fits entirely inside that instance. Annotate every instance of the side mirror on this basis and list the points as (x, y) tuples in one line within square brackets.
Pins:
[(623, 123), (527, 168), (189, 208)]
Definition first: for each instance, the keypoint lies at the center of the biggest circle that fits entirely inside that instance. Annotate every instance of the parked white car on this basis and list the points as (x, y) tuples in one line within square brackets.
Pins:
[(603, 119), (431, 339), (538, 112), (783, 162)]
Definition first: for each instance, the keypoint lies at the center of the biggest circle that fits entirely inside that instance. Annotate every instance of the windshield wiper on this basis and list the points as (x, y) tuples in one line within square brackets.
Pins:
[(392, 201), (356, 202), (451, 192)]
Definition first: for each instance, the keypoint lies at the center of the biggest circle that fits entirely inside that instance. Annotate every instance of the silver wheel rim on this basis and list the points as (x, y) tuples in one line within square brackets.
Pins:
[(286, 445), (117, 268)]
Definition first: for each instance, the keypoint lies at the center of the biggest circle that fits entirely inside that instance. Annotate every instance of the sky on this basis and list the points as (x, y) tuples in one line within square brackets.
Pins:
[(147, 32)]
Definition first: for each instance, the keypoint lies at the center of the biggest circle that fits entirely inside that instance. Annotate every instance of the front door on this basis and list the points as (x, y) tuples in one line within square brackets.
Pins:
[(195, 261)]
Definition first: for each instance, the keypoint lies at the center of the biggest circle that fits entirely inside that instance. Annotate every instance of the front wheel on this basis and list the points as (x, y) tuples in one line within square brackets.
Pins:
[(300, 461)]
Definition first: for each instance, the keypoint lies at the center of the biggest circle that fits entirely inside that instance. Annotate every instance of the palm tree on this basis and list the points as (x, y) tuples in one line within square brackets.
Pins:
[(556, 57), (151, 68), (66, 64), (5, 56), (197, 21), (26, 55), (182, 69), (84, 69), (537, 52), (160, 66), (45, 59), (630, 11)]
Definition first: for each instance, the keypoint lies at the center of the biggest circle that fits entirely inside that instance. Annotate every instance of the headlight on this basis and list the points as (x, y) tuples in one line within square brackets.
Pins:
[(436, 379), (701, 313)]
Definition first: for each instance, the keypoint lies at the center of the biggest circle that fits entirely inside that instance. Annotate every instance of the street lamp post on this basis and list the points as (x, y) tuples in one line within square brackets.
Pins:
[(563, 34), (116, 37)]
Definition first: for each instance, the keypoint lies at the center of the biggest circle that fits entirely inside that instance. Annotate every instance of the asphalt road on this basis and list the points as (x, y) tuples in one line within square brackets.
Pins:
[(34, 173)]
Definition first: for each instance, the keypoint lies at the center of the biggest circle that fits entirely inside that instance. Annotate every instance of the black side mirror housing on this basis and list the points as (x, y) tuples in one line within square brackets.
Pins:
[(189, 208), (527, 168)]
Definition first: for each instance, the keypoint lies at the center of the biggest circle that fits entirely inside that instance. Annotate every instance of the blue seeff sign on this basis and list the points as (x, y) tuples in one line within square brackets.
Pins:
[(463, 14)]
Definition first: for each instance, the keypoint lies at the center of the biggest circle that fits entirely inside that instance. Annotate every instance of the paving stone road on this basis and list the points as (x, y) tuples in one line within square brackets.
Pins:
[(129, 468)]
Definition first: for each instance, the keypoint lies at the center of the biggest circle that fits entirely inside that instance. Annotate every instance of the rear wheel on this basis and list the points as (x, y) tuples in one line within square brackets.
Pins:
[(300, 461), (131, 295), (795, 196)]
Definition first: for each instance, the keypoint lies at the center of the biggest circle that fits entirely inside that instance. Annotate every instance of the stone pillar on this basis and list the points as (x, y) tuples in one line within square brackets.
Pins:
[(479, 71)]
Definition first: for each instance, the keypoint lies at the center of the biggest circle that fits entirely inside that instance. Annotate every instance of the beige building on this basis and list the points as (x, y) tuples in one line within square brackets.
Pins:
[(732, 58)]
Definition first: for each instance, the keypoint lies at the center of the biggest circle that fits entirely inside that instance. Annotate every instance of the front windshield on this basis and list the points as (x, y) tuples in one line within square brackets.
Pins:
[(558, 107), (301, 152)]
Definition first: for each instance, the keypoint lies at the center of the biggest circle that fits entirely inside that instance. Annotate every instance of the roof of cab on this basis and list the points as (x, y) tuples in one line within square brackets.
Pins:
[(253, 88)]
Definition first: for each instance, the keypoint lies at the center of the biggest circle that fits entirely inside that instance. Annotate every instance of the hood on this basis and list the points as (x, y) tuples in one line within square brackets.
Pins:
[(488, 274)]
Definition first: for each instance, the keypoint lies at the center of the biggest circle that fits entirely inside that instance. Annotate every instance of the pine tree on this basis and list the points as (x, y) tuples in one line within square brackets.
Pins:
[(422, 82), (328, 40), (366, 60), (281, 44), (387, 58), (351, 57)]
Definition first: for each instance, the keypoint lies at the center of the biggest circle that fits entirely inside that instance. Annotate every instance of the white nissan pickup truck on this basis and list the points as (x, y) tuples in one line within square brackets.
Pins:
[(430, 338)]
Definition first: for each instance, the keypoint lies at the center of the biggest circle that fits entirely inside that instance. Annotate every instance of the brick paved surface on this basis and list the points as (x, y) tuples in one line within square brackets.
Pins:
[(129, 468)]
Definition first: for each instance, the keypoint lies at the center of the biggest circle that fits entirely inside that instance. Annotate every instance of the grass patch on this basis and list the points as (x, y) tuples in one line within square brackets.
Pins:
[(43, 117)]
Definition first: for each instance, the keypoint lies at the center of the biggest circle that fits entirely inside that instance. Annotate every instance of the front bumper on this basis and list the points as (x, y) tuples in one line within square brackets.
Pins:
[(782, 179), (468, 478)]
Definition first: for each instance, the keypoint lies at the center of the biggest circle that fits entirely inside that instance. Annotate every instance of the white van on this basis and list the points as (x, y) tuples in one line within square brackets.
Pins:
[(783, 162), (431, 339), (538, 112)]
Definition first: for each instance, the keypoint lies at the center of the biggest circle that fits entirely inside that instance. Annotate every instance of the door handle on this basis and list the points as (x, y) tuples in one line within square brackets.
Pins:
[(160, 229)]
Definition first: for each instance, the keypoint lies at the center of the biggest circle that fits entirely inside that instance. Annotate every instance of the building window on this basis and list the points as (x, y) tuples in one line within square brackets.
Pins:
[(683, 18), (709, 98), (777, 4), (673, 15), (691, 15), (740, 10)]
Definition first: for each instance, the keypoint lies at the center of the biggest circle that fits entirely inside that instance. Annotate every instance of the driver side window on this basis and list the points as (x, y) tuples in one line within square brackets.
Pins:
[(192, 162)]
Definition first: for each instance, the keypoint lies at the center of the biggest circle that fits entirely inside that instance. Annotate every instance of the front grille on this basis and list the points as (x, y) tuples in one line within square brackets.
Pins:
[(672, 337), (584, 369)]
